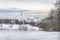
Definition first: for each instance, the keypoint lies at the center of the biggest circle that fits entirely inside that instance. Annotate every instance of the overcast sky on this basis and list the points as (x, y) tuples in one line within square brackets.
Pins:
[(39, 5), (42, 5)]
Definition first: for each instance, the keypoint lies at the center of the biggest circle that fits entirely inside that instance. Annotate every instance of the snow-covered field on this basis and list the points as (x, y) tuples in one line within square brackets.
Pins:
[(29, 35), (38, 34)]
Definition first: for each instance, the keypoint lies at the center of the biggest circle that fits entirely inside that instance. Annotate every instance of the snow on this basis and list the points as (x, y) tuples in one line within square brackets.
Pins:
[(27, 32), (32, 35), (9, 26), (29, 27), (30, 18), (23, 27)]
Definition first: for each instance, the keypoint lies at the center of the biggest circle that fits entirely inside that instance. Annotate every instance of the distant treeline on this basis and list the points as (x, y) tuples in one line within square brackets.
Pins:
[(16, 21)]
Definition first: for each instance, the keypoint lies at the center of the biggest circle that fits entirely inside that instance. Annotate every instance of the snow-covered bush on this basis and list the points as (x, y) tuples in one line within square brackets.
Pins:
[(28, 27), (9, 26), (23, 27)]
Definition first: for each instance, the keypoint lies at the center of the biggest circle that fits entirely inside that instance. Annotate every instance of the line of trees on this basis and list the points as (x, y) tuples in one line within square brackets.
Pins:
[(52, 23)]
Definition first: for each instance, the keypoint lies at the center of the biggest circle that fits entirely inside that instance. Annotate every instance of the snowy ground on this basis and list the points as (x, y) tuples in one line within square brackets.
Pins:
[(29, 35)]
